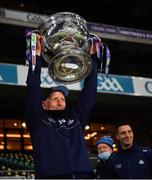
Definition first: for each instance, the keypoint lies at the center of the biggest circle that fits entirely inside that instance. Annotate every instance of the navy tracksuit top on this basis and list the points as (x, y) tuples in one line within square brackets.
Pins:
[(58, 143), (132, 163)]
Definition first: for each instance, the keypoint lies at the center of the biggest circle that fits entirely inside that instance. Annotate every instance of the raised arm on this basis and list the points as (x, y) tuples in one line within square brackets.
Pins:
[(34, 97), (87, 96)]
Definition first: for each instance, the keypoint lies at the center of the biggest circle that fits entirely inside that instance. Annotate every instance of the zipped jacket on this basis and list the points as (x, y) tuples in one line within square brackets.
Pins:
[(58, 141), (132, 163)]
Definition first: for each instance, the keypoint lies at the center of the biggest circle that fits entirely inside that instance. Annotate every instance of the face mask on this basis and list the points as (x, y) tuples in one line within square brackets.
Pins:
[(104, 155)]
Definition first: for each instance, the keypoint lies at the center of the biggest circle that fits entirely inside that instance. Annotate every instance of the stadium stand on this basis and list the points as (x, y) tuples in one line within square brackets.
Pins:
[(16, 164)]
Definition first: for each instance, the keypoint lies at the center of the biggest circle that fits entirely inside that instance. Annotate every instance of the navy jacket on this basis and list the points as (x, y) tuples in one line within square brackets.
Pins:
[(100, 168), (58, 142), (133, 163)]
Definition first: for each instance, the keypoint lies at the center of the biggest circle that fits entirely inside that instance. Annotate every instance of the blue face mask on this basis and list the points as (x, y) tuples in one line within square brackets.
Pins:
[(104, 155)]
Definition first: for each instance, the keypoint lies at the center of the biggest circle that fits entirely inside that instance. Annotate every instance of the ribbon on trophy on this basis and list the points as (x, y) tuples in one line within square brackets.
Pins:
[(103, 53), (30, 48)]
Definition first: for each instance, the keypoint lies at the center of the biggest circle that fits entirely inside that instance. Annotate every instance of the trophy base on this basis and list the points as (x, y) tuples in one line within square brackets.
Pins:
[(70, 66)]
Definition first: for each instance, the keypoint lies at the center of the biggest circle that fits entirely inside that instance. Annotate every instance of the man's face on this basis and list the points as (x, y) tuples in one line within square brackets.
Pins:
[(56, 101), (125, 136), (104, 148)]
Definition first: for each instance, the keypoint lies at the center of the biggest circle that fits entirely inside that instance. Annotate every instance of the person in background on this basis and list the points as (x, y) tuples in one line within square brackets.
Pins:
[(131, 161), (57, 131), (104, 149)]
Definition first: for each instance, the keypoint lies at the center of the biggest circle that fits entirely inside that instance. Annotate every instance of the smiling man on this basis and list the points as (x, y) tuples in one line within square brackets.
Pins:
[(125, 136), (131, 161)]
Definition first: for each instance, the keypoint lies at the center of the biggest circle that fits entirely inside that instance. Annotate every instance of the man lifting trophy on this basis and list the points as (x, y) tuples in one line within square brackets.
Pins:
[(56, 130)]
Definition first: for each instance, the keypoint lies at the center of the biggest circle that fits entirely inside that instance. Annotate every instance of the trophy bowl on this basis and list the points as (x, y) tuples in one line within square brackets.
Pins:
[(66, 47)]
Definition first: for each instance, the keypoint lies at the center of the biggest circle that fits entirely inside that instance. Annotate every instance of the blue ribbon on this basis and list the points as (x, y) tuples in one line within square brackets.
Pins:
[(30, 48), (100, 49)]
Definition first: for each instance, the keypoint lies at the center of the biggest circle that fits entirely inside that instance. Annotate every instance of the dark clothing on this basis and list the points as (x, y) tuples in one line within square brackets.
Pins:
[(135, 162), (58, 143), (99, 174), (100, 168)]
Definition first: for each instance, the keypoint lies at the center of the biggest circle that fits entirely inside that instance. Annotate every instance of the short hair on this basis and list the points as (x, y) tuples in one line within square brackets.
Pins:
[(123, 122)]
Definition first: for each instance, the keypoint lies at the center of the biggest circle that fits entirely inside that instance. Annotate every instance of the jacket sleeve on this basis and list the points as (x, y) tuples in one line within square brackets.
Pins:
[(150, 161), (87, 96), (34, 97)]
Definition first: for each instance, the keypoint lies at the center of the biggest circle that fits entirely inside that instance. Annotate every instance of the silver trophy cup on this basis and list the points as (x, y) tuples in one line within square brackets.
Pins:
[(66, 42)]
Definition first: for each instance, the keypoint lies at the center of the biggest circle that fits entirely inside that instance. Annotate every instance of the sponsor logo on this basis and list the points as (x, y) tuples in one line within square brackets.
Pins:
[(34, 18), (118, 166), (148, 86), (61, 123), (141, 161), (144, 150), (110, 84), (45, 78)]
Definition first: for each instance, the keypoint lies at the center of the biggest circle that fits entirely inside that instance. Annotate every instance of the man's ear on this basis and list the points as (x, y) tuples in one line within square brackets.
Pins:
[(44, 105)]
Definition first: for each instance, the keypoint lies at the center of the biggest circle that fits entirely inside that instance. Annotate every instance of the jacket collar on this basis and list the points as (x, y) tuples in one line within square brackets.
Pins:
[(134, 147)]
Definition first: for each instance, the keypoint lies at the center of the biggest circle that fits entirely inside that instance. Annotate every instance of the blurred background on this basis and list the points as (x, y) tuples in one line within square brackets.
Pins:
[(124, 27)]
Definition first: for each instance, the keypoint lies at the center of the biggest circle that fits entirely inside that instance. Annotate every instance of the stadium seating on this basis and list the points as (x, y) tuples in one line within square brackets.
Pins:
[(16, 164)]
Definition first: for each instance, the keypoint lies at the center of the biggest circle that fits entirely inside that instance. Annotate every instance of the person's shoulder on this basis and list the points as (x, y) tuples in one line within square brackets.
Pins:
[(113, 156), (144, 149), (112, 160)]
